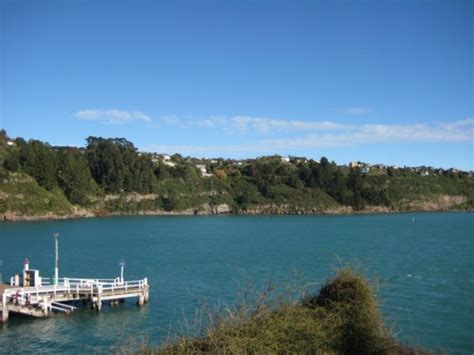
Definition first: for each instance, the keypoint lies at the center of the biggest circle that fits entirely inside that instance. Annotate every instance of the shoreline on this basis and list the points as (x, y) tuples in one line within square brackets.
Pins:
[(10, 217)]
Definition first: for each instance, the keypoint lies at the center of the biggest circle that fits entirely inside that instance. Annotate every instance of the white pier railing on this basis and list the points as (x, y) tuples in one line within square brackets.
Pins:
[(70, 289)]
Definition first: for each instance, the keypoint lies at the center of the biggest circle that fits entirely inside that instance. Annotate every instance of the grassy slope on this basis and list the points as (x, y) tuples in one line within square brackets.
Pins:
[(21, 194), (343, 318), (412, 188)]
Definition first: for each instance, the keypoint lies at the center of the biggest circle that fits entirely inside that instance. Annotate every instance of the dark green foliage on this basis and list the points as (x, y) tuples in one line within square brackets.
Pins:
[(116, 166), (74, 177), (39, 160), (3, 137), (245, 193), (12, 161)]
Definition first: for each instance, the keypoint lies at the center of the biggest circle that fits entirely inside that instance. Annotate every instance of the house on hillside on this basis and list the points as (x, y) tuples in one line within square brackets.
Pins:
[(203, 170), (364, 167)]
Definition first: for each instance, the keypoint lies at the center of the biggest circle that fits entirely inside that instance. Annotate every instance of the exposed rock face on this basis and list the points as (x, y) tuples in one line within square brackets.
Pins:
[(76, 213), (441, 203), (222, 208), (206, 209), (131, 197)]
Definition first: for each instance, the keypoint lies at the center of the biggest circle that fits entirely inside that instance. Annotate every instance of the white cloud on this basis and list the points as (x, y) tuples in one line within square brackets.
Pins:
[(252, 123), (455, 132), (320, 134), (357, 111), (112, 116)]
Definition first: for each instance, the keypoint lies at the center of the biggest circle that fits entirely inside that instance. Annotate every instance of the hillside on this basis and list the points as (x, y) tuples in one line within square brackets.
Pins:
[(110, 176)]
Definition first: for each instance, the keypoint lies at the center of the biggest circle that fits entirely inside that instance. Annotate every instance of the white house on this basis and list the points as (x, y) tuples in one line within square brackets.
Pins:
[(203, 170)]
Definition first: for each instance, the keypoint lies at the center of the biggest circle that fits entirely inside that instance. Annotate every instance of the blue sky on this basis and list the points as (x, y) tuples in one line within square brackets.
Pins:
[(376, 81)]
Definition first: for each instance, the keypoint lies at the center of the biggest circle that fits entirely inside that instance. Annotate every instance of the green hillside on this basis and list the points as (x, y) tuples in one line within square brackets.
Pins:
[(110, 176)]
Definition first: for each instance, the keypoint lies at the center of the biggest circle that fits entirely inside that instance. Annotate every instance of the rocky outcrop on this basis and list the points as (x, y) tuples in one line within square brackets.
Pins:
[(130, 197), (441, 203), (76, 213)]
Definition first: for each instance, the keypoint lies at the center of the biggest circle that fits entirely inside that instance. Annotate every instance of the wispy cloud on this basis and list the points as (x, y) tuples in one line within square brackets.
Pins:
[(357, 111), (319, 134), (112, 116), (252, 124), (456, 132)]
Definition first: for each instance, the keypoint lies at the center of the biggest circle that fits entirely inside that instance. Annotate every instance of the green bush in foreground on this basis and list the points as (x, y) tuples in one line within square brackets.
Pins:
[(344, 318)]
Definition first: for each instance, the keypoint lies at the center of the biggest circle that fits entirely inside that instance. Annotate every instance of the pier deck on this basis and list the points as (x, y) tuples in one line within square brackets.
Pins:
[(41, 301)]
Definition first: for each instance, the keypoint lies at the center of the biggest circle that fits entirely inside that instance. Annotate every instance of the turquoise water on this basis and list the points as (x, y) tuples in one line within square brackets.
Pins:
[(425, 271)]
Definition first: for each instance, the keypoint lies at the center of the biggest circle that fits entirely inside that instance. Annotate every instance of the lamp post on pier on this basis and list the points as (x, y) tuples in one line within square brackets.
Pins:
[(122, 266), (56, 259)]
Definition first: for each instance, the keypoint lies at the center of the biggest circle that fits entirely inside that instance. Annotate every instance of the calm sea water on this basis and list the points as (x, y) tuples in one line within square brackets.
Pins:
[(425, 269)]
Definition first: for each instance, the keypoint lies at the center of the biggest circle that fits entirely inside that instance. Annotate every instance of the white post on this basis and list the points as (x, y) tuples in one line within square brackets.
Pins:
[(122, 265), (4, 308), (56, 257)]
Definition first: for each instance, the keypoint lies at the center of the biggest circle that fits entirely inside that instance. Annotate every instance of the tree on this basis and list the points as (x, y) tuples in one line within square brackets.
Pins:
[(3, 137), (355, 184), (74, 177), (39, 160), (116, 166), (12, 161)]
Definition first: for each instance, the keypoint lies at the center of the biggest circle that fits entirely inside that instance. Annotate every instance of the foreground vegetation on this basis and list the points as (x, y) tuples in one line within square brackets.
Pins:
[(110, 176), (344, 318)]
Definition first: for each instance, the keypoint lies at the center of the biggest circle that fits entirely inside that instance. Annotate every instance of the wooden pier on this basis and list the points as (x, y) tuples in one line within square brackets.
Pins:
[(30, 294), (36, 296), (41, 301)]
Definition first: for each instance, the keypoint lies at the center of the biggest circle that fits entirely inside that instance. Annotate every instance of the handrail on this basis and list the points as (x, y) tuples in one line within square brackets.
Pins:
[(34, 294)]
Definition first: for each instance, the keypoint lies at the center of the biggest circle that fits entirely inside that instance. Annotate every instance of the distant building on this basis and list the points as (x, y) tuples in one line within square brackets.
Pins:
[(170, 163), (358, 164), (203, 170), (285, 159), (364, 167)]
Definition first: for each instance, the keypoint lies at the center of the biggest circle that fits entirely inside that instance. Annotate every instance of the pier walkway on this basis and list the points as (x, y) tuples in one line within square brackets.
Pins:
[(41, 301)]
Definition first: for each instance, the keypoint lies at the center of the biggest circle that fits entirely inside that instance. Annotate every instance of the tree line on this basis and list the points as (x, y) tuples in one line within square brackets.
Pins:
[(114, 166)]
